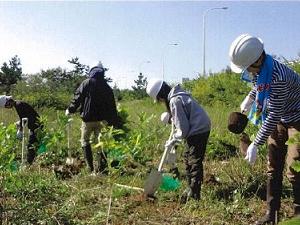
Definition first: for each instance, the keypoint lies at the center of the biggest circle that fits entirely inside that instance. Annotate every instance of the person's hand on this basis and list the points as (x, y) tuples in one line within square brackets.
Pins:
[(171, 142), (165, 117), (19, 135), (67, 113), (18, 124), (251, 153), (246, 104)]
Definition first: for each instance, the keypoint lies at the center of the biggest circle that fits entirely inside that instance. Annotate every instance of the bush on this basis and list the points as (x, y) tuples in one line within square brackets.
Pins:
[(223, 88), (40, 94)]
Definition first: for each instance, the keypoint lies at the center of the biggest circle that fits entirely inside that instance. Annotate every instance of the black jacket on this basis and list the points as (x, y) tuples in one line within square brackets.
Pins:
[(25, 110), (95, 100)]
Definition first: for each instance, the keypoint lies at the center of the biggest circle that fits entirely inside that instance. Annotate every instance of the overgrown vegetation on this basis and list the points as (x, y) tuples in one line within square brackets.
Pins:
[(233, 191)]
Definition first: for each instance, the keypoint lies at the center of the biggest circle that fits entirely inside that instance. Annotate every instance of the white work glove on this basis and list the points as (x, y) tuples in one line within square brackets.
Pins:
[(251, 153), (165, 117), (18, 124), (19, 135), (171, 142), (67, 113), (246, 104)]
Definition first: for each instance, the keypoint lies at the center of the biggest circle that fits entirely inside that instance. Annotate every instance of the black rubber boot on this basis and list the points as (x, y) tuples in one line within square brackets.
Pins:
[(102, 163), (274, 188), (196, 189), (31, 153), (270, 218), (88, 157)]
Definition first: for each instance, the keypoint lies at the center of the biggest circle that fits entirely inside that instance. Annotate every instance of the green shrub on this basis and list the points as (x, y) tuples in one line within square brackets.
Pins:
[(223, 88)]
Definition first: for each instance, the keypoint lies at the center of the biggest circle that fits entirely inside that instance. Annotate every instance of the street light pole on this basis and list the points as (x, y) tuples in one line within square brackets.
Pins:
[(163, 59), (204, 30)]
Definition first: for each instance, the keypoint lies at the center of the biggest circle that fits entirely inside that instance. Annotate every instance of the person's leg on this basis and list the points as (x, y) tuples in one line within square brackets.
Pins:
[(294, 176), (197, 145), (187, 192), (276, 159), (101, 154), (86, 131), (31, 147)]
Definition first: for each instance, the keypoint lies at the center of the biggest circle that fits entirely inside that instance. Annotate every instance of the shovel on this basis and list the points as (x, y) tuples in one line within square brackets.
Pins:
[(155, 178), (69, 159), (24, 123)]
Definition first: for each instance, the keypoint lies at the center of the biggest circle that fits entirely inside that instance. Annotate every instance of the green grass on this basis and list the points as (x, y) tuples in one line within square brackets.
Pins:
[(232, 192)]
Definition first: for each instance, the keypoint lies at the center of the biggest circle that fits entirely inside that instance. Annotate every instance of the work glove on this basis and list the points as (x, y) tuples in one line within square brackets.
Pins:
[(165, 117), (171, 142), (19, 135), (246, 104), (18, 124), (251, 153), (67, 113)]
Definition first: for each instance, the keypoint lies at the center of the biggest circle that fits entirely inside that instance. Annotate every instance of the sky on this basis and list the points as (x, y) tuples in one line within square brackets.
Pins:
[(162, 39)]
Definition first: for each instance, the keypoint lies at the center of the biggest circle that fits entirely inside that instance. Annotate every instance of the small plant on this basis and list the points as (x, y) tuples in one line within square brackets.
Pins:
[(9, 147)]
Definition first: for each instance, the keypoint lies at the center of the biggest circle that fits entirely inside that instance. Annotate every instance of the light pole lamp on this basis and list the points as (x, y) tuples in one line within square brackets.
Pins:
[(204, 16), (163, 59)]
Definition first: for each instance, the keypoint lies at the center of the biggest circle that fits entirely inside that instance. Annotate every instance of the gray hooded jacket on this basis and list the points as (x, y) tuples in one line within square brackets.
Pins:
[(188, 116)]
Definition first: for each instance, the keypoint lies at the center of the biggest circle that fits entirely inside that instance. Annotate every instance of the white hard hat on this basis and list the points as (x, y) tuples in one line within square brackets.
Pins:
[(165, 117), (153, 87), (244, 51), (3, 100)]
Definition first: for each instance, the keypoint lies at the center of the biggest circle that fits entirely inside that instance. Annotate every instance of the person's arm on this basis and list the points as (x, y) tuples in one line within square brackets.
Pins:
[(112, 108), (77, 99), (278, 98), (180, 119)]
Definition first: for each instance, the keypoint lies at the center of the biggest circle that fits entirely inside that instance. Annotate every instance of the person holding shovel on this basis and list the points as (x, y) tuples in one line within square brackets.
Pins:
[(273, 103), (191, 123), (96, 102), (25, 110)]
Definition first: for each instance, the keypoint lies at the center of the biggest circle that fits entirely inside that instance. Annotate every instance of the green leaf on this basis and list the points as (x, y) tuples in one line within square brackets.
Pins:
[(296, 166)]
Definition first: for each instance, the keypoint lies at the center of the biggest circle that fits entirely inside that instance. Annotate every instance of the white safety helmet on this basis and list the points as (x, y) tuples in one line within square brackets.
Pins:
[(244, 51), (4, 99), (165, 117), (153, 87)]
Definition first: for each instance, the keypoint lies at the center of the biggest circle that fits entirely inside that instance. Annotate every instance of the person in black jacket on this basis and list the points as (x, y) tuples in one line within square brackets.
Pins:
[(25, 110), (96, 103)]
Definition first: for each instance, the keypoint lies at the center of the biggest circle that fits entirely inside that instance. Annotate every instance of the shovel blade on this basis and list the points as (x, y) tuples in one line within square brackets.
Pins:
[(152, 183)]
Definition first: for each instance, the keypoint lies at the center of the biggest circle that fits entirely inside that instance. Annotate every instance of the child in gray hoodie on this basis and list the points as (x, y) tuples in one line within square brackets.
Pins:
[(191, 124)]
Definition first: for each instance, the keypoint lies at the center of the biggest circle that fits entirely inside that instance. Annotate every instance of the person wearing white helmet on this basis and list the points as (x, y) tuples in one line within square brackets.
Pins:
[(191, 123), (24, 110), (273, 103)]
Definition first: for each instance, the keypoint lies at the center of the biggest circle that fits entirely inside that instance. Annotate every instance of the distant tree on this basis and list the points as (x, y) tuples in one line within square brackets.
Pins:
[(117, 92), (79, 69), (55, 75), (140, 87), (10, 74)]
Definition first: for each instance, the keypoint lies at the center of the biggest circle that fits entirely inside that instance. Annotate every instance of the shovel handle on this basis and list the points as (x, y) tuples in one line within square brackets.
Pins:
[(24, 123), (167, 149)]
